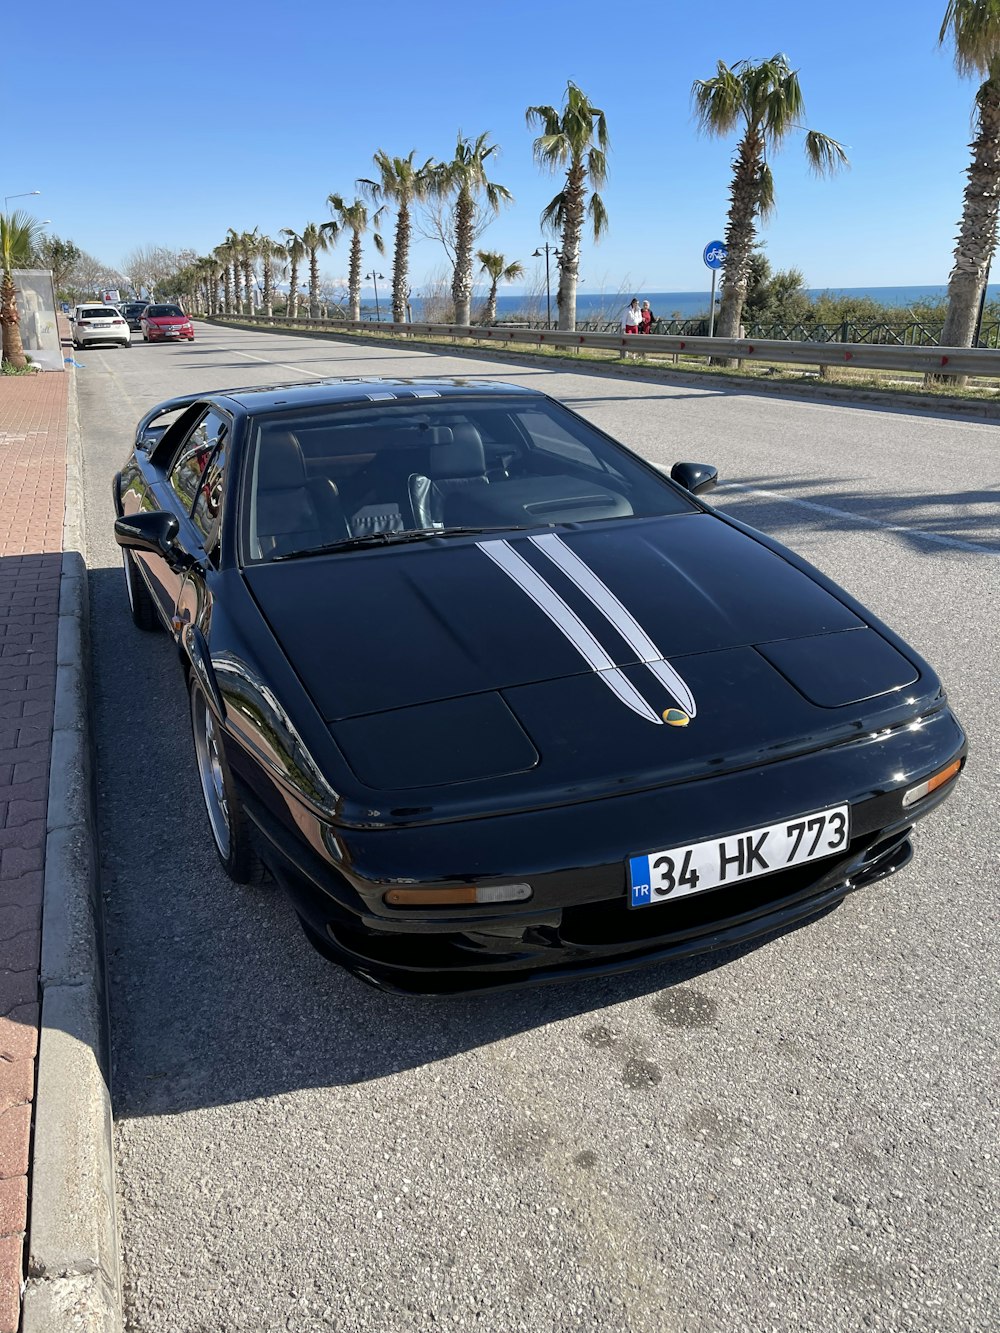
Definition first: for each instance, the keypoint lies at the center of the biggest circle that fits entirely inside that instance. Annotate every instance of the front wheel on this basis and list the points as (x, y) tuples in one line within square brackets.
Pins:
[(229, 825)]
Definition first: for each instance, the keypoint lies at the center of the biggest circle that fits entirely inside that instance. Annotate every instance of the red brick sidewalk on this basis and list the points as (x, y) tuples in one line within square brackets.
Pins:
[(32, 499)]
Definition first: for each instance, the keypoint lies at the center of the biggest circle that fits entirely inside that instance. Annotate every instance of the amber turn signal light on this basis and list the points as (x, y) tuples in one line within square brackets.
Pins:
[(923, 789)]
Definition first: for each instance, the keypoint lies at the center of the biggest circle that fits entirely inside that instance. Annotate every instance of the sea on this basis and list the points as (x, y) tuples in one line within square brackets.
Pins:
[(688, 305)]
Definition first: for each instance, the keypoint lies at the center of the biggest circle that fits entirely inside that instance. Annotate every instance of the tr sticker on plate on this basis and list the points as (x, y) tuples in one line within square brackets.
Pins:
[(663, 876)]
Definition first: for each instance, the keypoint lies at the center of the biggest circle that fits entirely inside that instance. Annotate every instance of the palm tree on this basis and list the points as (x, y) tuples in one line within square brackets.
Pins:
[(352, 218), (576, 140), (974, 26), (315, 238), (223, 255), (19, 233), (295, 250), (765, 100), (248, 259), (465, 176), (268, 250), (234, 243), (499, 271), (400, 184)]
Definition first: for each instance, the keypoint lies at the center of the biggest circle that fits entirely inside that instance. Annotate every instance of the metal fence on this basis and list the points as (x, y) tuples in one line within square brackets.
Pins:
[(859, 355), (912, 333)]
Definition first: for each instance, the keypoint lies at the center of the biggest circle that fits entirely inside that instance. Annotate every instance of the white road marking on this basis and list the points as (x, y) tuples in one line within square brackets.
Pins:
[(282, 365), (938, 538)]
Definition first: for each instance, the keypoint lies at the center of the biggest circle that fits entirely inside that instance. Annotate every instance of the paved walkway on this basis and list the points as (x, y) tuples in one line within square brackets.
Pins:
[(32, 501)]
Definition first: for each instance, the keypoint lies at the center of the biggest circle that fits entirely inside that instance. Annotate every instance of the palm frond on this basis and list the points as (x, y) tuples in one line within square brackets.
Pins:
[(974, 26), (765, 191), (598, 215), (825, 155), (554, 212), (718, 101)]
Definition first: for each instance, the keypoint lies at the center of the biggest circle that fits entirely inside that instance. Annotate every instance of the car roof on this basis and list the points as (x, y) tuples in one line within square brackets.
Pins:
[(362, 389)]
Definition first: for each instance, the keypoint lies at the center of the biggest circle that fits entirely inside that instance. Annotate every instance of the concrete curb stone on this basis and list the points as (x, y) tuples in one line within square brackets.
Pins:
[(74, 1280), (815, 390)]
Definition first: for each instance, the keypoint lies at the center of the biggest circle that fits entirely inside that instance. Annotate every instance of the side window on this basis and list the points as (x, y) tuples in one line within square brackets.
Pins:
[(192, 458), (207, 512)]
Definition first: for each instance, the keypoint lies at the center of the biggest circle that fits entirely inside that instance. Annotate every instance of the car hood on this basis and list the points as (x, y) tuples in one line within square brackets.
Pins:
[(390, 628), (164, 321), (603, 658)]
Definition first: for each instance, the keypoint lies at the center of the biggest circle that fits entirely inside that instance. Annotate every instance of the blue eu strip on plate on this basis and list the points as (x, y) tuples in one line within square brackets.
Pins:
[(639, 880)]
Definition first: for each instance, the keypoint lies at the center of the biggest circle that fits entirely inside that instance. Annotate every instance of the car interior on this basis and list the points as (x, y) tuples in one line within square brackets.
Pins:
[(323, 477)]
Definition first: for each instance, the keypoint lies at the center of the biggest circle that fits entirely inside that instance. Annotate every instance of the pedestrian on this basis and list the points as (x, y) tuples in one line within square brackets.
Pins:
[(630, 321), (647, 318), (631, 316)]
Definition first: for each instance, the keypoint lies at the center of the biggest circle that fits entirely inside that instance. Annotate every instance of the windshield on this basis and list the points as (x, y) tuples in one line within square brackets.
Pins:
[(159, 311), (328, 478)]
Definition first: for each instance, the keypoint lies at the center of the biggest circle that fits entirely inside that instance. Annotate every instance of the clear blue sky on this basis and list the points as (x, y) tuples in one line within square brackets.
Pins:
[(168, 123)]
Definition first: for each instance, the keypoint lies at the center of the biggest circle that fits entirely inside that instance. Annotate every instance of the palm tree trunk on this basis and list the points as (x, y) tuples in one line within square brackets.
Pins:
[(461, 283), (293, 288), (977, 237), (740, 237), (354, 276), (569, 260), (313, 284), (268, 286), (400, 264), (13, 347), (491, 304)]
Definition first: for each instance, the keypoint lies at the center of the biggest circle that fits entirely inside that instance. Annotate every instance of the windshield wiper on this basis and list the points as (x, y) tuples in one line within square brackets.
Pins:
[(389, 539)]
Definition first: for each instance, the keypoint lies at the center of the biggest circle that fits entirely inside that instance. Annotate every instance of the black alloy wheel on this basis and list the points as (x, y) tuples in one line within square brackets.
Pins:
[(226, 819)]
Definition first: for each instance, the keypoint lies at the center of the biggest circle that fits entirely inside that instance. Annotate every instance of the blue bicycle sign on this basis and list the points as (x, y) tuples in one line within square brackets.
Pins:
[(715, 254)]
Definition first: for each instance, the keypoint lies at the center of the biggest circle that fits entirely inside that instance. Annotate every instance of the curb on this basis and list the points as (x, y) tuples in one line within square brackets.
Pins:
[(73, 1257), (813, 391)]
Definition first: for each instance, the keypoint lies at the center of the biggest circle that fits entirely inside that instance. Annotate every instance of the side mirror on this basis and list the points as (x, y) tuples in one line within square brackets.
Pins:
[(698, 478), (154, 531)]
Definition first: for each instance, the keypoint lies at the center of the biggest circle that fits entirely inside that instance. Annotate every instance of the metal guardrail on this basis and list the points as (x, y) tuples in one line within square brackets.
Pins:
[(865, 356)]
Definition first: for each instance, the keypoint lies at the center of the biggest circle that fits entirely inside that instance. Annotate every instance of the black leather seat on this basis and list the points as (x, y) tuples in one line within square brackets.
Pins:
[(455, 466), (292, 510)]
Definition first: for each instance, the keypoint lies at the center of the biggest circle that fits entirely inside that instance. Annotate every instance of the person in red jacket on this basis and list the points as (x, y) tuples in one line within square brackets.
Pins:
[(646, 318)]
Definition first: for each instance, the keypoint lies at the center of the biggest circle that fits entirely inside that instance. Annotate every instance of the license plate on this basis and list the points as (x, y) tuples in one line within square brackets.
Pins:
[(679, 871), (172, 333)]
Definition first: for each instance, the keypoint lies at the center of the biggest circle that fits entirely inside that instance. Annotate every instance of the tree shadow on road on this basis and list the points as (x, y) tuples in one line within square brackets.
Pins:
[(928, 523)]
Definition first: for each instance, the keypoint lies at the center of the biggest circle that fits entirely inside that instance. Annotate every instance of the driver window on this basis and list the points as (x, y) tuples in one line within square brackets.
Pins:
[(193, 457)]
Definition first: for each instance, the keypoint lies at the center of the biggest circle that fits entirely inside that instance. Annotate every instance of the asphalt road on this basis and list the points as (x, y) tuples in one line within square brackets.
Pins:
[(802, 1136)]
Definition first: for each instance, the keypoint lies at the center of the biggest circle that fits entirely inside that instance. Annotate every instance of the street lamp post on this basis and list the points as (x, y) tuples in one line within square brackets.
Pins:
[(23, 195), (373, 276), (547, 250)]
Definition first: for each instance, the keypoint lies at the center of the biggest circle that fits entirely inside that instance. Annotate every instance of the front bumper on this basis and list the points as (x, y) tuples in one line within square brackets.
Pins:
[(578, 923)]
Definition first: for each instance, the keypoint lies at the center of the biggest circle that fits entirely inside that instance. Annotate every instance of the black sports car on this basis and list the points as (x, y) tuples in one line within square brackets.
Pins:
[(497, 701)]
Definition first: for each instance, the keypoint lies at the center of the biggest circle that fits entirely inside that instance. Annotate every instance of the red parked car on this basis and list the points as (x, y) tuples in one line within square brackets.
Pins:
[(165, 323)]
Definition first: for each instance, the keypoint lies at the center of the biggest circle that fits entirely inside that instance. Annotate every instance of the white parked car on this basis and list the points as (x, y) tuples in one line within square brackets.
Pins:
[(96, 323)]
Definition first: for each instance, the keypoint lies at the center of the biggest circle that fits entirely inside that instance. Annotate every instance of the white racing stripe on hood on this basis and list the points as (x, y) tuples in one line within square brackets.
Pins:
[(597, 592), (569, 623)]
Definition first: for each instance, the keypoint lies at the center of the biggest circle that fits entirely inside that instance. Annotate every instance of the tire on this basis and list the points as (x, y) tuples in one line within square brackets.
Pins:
[(140, 599), (227, 822)]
